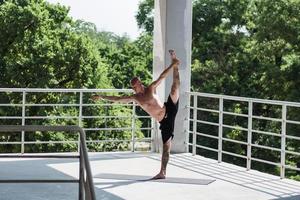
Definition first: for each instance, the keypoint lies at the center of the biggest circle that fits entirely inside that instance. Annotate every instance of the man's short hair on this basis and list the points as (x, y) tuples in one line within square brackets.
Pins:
[(134, 80)]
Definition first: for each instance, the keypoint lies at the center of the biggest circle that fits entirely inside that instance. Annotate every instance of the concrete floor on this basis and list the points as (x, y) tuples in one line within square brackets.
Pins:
[(110, 170)]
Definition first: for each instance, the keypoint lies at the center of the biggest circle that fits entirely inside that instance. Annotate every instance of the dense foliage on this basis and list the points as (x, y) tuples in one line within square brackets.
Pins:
[(42, 47)]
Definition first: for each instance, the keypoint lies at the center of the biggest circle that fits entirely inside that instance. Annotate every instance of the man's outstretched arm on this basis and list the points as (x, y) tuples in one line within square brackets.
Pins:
[(122, 99)]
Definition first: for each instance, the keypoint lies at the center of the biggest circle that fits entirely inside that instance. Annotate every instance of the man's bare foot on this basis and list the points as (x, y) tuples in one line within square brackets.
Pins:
[(158, 176), (172, 53), (174, 59)]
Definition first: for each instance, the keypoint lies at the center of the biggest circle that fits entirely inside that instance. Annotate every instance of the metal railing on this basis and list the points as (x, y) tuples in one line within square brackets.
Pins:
[(86, 186), (220, 111), (80, 102)]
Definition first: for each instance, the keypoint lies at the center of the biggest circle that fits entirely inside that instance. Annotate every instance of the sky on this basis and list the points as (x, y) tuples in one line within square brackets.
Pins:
[(117, 16)]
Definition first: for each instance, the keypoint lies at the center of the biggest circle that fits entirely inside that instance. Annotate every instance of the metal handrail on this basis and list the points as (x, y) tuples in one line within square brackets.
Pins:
[(61, 90), (249, 129), (24, 104), (237, 98), (86, 185)]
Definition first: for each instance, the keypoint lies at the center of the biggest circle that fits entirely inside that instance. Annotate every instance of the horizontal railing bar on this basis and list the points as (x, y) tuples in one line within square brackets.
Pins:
[(71, 117), (234, 141), (234, 154), (246, 99), (292, 152), (66, 105), (115, 129), (105, 117), (112, 117), (52, 105), (99, 141), (10, 142), (267, 118), (205, 122), (74, 117), (107, 129), (265, 161), (144, 117), (39, 117), (235, 127), (51, 117), (266, 133), (39, 181), (10, 105), (40, 142), (33, 128), (86, 129), (63, 105), (36, 156), (266, 147), (206, 135), (50, 142), (292, 137), (292, 122), (10, 117), (113, 140), (62, 90), (291, 167), (108, 104), (76, 105), (84, 117), (207, 148), (235, 114), (144, 129), (66, 142), (143, 139), (207, 110)]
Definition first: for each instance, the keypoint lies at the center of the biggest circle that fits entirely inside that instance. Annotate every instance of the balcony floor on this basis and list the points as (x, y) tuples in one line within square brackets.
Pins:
[(118, 176)]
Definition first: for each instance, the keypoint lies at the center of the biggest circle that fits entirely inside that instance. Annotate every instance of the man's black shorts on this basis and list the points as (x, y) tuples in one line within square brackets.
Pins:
[(168, 122)]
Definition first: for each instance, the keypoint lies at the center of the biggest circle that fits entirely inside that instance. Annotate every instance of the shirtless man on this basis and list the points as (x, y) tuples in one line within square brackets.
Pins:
[(164, 113)]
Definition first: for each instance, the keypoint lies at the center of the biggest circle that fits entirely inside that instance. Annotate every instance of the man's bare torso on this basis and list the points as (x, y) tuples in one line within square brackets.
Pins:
[(151, 103)]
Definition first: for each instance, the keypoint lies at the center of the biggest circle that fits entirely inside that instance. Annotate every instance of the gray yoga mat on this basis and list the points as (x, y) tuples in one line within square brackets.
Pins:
[(148, 178)]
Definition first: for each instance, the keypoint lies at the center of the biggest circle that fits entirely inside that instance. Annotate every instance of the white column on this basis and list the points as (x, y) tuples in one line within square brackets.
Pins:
[(173, 30)]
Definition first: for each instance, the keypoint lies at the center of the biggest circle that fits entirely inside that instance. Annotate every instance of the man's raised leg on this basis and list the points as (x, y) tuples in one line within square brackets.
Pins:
[(176, 79)]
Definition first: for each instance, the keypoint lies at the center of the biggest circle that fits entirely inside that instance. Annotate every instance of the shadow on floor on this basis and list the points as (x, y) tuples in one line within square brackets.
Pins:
[(289, 198), (126, 179), (40, 169)]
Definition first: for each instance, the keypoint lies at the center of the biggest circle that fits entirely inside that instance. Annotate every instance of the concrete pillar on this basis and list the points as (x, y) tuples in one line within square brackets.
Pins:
[(173, 30)]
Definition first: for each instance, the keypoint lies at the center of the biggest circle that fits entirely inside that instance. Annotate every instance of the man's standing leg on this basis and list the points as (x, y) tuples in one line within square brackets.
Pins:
[(164, 160)]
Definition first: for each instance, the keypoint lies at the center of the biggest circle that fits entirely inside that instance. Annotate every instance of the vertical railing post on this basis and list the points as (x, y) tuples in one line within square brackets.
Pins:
[(23, 121), (81, 175), (80, 116), (88, 178), (249, 138), (283, 141), (133, 127), (195, 105), (220, 141)]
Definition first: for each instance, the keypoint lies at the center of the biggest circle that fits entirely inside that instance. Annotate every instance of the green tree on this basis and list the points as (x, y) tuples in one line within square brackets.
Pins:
[(145, 16), (41, 47)]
